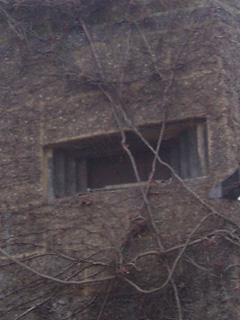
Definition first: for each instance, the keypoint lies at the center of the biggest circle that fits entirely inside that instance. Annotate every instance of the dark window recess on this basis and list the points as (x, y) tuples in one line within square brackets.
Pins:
[(117, 169), (228, 188), (100, 162)]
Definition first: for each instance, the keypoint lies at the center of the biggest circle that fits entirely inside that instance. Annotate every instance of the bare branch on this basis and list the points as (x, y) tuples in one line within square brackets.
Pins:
[(47, 277)]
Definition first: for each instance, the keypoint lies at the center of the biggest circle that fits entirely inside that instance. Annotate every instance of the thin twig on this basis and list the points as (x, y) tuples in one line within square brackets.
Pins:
[(47, 277), (105, 301)]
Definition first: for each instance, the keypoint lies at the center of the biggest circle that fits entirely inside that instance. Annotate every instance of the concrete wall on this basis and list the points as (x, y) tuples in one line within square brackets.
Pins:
[(47, 99)]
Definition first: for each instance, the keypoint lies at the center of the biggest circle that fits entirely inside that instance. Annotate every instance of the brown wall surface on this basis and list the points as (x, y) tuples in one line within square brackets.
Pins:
[(181, 65)]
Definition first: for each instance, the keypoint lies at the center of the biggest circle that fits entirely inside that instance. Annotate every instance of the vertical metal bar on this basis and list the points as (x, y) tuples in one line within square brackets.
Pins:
[(184, 155), (81, 175), (71, 177), (59, 173), (194, 160), (203, 147)]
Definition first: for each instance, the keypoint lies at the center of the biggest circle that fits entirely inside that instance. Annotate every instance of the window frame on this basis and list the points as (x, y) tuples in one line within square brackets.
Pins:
[(189, 156)]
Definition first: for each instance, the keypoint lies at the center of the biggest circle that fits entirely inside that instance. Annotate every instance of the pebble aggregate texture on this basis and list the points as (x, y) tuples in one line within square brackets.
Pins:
[(49, 94)]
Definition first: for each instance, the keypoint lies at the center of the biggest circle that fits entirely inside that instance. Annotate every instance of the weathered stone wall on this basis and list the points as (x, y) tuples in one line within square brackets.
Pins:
[(54, 96), (40, 107)]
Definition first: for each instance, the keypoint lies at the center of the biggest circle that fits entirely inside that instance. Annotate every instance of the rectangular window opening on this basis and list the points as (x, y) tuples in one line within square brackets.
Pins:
[(100, 162)]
